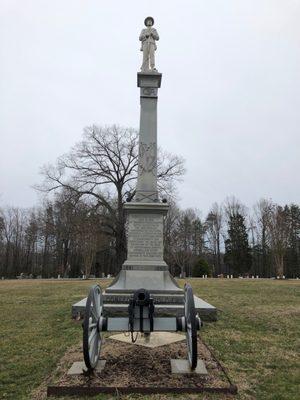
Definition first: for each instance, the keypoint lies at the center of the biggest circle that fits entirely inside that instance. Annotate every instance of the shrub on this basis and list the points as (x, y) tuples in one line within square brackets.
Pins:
[(201, 267)]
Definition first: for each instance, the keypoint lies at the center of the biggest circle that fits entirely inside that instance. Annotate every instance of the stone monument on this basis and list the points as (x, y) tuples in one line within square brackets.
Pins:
[(145, 266)]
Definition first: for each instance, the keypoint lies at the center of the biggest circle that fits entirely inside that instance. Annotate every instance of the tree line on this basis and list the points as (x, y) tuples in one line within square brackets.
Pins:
[(80, 226)]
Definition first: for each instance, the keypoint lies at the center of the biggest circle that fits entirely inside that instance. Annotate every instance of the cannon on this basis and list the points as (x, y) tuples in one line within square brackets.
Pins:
[(141, 318)]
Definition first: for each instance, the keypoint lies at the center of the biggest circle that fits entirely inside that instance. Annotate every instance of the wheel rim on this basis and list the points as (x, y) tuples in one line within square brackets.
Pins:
[(191, 326), (91, 329)]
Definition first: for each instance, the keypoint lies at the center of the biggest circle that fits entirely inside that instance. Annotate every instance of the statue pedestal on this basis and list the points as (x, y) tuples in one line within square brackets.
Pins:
[(145, 236), (145, 267)]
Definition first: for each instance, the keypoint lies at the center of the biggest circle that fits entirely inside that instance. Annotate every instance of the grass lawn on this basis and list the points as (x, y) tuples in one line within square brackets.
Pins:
[(256, 337)]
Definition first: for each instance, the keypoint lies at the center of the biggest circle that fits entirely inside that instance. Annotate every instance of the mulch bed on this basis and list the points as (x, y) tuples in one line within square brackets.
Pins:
[(135, 369)]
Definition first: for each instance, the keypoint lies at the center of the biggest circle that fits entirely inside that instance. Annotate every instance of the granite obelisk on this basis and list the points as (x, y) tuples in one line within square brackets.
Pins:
[(145, 266)]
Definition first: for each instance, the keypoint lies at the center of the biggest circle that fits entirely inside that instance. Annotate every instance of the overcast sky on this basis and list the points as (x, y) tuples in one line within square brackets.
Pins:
[(229, 101)]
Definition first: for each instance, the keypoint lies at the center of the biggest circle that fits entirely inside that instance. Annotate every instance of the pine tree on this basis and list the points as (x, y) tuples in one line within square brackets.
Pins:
[(237, 251)]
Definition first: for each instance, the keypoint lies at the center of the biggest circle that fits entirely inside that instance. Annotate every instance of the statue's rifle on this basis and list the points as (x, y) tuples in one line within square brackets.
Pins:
[(148, 41)]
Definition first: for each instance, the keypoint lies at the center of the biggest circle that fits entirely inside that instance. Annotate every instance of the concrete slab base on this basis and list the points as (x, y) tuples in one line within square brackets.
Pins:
[(79, 368), (183, 367), (206, 311), (155, 339)]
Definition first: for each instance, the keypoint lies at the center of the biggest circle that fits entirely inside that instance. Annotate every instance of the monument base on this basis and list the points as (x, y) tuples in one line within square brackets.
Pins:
[(163, 306), (156, 282), (145, 267)]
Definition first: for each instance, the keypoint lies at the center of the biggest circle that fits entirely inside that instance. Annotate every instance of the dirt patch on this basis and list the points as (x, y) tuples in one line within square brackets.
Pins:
[(128, 365)]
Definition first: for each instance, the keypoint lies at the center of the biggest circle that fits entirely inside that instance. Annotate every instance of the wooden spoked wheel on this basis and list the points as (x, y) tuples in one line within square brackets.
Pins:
[(91, 327), (190, 325)]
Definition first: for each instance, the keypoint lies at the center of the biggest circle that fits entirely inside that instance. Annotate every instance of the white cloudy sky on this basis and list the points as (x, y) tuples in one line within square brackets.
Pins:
[(229, 101)]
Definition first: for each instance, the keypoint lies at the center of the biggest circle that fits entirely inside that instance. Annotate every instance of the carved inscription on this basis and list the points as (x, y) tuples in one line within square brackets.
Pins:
[(145, 237)]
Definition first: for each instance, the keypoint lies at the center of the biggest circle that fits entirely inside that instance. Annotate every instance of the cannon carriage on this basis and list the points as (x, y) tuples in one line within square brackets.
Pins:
[(141, 318)]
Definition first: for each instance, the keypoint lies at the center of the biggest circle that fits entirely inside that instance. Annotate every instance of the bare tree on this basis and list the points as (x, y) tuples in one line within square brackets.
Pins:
[(13, 221), (103, 167), (279, 229), (185, 240), (214, 222), (233, 206), (273, 232), (7, 222), (170, 169), (31, 240), (88, 233), (262, 212)]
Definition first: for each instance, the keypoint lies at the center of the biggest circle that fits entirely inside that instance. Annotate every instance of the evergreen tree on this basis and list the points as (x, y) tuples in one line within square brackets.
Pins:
[(237, 251), (201, 267)]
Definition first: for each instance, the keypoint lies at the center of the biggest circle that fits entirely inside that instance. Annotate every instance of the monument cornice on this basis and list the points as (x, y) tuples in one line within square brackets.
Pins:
[(136, 207)]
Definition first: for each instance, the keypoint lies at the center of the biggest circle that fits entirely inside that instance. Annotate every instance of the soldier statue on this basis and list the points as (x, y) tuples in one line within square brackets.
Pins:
[(148, 37)]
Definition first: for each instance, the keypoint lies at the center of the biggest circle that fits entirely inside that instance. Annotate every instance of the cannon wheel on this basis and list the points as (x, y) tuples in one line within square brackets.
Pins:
[(191, 325), (91, 327)]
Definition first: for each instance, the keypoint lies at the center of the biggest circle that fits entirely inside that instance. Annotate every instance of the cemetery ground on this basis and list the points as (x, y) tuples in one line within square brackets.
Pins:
[(256, 337)]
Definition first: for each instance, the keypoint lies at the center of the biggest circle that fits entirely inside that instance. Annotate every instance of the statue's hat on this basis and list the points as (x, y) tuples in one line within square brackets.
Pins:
[(146, 19)]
